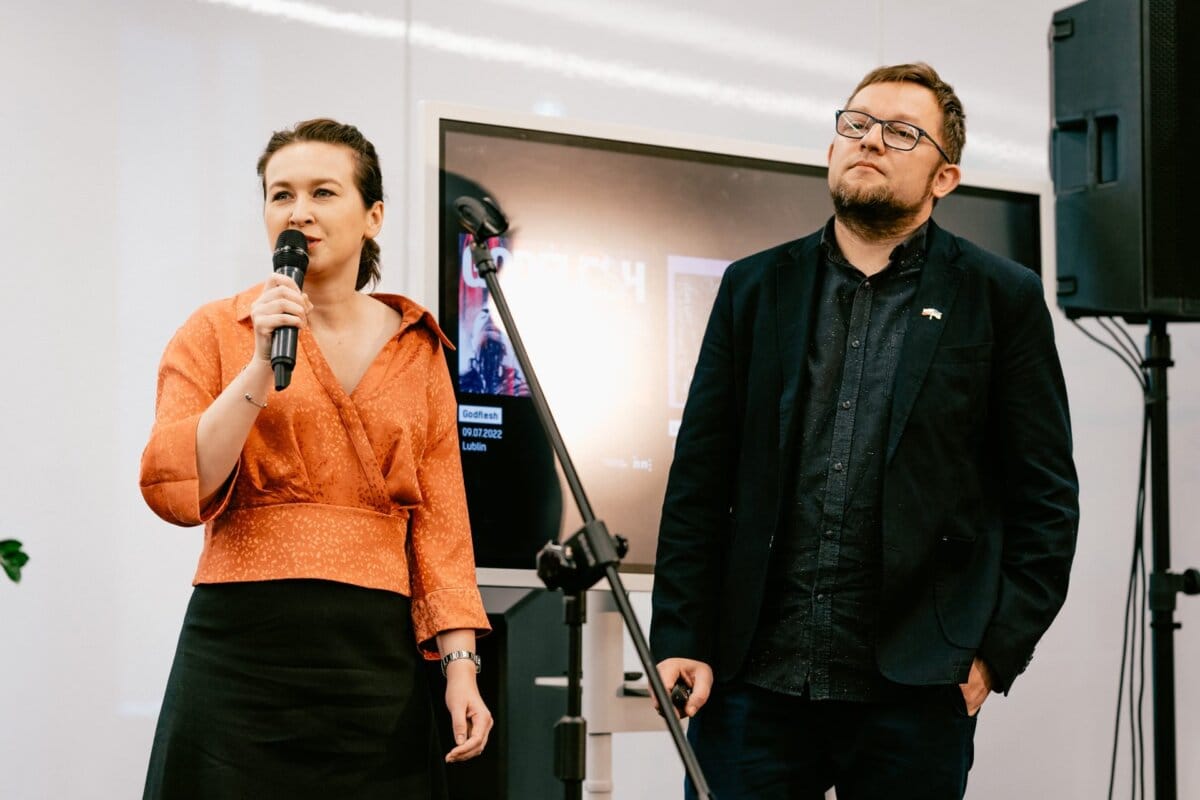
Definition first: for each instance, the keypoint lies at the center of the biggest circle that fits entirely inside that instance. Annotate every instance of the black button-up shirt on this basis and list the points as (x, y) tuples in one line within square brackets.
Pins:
[(816, 631)]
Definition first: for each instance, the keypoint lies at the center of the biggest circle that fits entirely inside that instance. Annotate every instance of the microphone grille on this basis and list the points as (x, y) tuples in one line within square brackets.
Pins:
[(291, 250)]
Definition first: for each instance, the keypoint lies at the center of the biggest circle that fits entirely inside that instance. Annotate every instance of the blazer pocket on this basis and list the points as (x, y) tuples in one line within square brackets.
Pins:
[(963, 353)]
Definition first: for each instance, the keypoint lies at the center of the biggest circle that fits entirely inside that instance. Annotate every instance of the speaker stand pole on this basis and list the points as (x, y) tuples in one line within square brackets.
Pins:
[(1164, 585)]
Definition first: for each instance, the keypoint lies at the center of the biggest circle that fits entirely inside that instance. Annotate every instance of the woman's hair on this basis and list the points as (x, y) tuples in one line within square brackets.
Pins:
[(367, 175)]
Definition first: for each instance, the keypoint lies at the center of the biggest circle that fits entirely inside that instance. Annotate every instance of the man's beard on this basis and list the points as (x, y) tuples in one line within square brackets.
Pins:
[(875, 213)]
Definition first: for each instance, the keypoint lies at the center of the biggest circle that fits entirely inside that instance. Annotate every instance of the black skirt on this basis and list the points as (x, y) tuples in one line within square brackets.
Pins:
[(297, 689)]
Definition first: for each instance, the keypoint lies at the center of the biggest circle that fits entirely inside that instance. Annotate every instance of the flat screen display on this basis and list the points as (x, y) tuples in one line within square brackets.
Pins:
[(610, 266)]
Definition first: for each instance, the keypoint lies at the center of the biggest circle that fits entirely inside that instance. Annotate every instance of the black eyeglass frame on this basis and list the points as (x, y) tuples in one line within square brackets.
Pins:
[(837, 116)]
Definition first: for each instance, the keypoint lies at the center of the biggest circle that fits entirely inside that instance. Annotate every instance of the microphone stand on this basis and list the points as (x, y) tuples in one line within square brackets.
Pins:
[(578, 563)]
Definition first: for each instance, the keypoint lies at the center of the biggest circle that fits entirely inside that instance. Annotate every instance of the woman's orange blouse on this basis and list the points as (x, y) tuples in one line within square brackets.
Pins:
[(364, 488)]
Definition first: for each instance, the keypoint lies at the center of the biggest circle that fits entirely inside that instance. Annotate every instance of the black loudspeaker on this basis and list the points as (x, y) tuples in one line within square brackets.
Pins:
[(528, 641), (1125, 113)]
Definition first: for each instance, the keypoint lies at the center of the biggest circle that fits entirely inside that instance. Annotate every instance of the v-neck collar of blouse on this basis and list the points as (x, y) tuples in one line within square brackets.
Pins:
[(411, 315)]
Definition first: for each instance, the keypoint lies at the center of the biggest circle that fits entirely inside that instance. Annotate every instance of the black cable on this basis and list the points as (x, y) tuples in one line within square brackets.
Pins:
[(1121, 337), (1112, 764), (1134, 368), (1141, 546), (1125, 658), (1141, 718), (1138, 581), (1134, 629), (1137, 740), (1133, 646), (1133, 345), (1133, 650)]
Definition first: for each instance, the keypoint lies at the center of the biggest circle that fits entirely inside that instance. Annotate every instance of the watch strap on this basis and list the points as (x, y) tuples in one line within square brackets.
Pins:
[(458, 655)]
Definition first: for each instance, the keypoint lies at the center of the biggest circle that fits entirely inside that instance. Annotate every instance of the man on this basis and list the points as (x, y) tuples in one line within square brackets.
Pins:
[(872, 510)]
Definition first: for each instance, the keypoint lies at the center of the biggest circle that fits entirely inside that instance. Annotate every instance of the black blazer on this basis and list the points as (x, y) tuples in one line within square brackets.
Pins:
[(980, 497)]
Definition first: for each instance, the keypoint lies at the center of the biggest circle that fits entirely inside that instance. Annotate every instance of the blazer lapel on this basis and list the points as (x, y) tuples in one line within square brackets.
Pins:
[(796, 282), (940, 278)]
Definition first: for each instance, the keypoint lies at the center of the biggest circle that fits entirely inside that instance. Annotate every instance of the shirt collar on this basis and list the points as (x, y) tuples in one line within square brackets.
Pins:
[(909, 253), (411, 313)]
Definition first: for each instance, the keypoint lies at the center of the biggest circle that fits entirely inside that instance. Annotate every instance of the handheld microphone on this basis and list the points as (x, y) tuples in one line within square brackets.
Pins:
[(291, 259)]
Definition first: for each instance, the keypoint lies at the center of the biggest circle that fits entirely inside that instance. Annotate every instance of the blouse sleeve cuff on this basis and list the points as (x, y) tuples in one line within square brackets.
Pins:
[(447, 610), (170, 482)]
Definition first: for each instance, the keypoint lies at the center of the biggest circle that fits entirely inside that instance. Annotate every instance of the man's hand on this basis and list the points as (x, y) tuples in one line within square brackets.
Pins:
[(976, 689), (696, 674)]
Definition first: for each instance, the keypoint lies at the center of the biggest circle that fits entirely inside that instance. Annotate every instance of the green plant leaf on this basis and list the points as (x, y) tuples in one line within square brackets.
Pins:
[(12, 559)]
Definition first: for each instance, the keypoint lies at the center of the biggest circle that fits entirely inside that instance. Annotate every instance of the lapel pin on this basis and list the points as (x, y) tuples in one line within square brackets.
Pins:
[(932, 313)]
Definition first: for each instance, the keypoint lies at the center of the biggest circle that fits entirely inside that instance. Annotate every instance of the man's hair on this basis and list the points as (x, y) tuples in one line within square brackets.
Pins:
[(954, 121), (368, 177)]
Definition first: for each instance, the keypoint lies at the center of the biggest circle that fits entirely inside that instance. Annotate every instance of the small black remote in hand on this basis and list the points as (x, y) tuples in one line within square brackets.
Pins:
[(680, 693)]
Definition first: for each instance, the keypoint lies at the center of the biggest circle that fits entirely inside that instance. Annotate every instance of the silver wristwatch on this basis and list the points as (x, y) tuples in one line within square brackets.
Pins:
[(460, 654)]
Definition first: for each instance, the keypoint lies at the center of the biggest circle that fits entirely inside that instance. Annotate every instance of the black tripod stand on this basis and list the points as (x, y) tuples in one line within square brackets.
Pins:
[(578, 563), (1164, 584)]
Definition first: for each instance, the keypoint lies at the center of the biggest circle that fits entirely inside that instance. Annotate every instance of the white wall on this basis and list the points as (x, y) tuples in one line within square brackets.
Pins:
[(128, 135)]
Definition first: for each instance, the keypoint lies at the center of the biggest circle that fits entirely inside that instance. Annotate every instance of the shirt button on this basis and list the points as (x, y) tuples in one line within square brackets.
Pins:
[(838, 467), (846, 404), (820, 598), (828, 534), (855, 343)]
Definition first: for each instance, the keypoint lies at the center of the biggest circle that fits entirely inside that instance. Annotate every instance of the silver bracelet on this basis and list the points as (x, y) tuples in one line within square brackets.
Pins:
[(458, 655), (250, 399)]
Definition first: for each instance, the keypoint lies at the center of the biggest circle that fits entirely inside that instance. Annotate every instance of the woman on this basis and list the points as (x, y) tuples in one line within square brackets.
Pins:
[(336, 536)]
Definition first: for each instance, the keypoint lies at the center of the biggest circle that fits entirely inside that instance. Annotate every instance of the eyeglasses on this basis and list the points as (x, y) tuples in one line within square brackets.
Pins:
[(896, 134)]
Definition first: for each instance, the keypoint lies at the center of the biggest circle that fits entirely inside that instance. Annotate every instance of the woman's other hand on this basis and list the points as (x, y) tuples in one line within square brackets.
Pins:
[(469, 716)]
